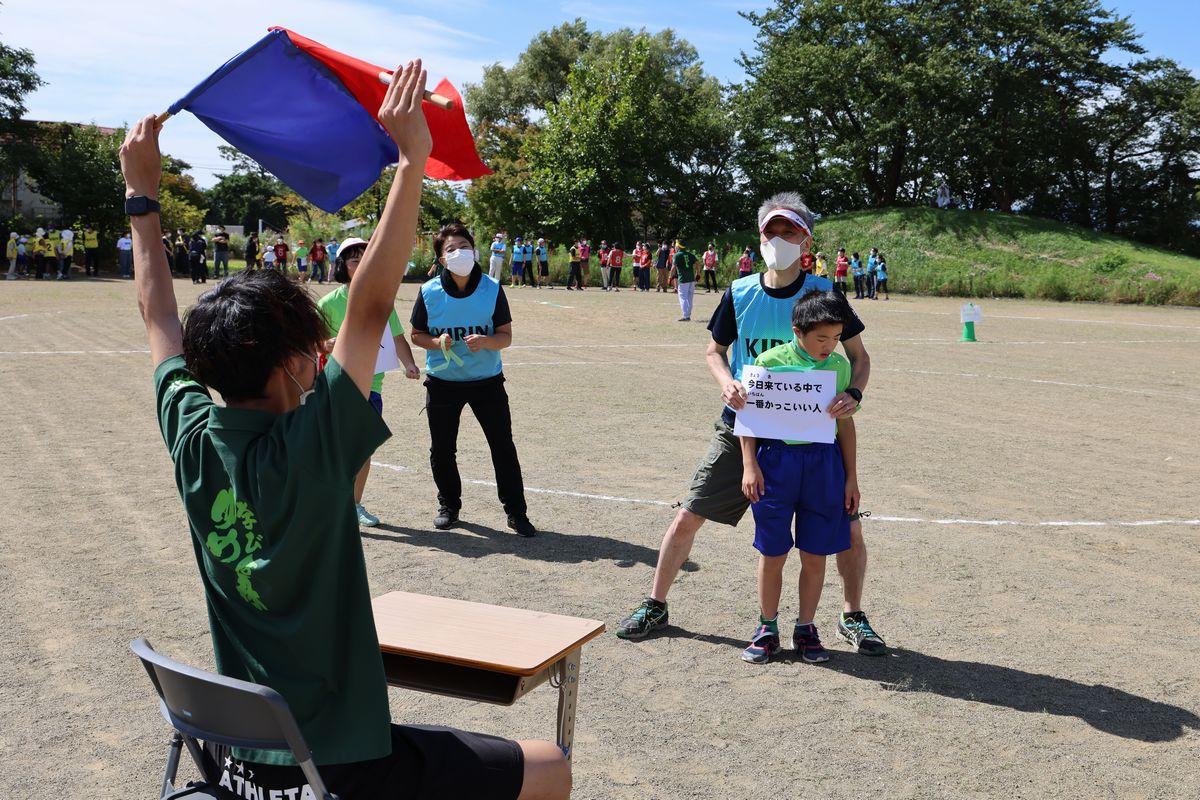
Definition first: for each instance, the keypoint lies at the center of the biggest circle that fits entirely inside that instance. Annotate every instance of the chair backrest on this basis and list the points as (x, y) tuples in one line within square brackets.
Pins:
[(228, 711)]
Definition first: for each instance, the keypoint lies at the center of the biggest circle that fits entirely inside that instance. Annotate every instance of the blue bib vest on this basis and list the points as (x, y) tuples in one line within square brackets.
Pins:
[(763, 321), (460, 317)]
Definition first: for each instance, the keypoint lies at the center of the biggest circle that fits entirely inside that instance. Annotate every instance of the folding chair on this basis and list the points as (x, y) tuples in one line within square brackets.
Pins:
[(204, 705)]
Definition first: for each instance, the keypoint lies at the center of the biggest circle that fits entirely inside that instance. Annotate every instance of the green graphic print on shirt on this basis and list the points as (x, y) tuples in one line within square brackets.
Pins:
[(230, 543)]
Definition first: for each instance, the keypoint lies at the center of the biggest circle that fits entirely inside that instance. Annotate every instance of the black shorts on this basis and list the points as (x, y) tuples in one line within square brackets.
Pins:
[(544, 270), (426, 762)]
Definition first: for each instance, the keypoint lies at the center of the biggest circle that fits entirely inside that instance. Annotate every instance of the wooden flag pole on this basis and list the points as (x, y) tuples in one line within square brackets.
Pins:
[(384, 77), (436, 99)]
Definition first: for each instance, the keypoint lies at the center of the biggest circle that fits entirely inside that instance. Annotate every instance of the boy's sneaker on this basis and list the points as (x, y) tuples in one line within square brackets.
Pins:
[(859, 634), (763, 647), (522, 525), (650, 615), (365, 518), (445, 518), (808, 645)]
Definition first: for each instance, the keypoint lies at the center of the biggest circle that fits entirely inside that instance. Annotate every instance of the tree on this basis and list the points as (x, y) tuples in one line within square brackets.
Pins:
[(78, 167), (178, 213), (246, 195), (18, 78), (867, 102), (619, 133), (184, 186)]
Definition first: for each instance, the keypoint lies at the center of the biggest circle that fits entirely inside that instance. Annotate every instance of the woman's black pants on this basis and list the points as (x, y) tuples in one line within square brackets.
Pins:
[(444, 402)]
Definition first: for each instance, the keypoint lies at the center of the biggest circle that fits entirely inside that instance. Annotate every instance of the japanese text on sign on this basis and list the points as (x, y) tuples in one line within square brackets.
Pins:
[(788, 405)]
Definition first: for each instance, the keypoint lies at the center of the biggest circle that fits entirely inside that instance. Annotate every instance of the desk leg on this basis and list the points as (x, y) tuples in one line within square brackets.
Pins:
[(568, 685)]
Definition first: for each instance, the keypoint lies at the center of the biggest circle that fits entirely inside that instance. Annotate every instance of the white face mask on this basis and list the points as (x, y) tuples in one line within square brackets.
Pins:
[(778, 253), (306, 393), (460, 262)]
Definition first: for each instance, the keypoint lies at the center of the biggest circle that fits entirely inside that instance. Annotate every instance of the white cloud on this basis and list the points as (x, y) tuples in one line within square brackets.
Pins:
[(120, 60)]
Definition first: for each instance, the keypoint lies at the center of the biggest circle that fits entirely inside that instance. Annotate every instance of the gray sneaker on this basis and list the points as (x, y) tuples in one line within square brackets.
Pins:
[(365, 518), (650, 615), (859, 634)]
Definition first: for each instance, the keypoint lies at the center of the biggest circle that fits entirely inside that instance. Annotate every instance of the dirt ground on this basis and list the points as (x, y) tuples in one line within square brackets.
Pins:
[(1029, 658)]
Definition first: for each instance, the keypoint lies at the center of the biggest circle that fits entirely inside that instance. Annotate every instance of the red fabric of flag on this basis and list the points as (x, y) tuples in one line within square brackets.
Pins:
[(454, 157)]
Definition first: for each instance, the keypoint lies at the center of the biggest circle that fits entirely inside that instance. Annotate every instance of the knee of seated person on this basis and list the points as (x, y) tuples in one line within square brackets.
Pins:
[(547, 772)]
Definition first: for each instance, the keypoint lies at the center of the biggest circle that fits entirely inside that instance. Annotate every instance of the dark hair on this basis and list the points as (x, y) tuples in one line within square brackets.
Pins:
[(341, 273), (854, 255), (818, 308), (448, 230), (238, 332)]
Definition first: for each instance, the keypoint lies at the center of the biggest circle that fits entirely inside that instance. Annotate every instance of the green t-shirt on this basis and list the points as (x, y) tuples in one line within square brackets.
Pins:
[(282, 565), (685, 266), (790, 357), (301, 252), (333, 307)]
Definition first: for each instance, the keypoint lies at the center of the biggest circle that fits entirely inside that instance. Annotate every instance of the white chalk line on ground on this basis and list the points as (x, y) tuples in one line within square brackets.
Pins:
[(69, 352), (1045, 319), (1039, 381), (993, 342), (874, 517)]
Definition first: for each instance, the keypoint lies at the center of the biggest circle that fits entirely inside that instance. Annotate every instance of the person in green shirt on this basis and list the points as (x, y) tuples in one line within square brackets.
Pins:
[(684, 264), (302, 261), (281, 565), (814, 484), (333, 309)]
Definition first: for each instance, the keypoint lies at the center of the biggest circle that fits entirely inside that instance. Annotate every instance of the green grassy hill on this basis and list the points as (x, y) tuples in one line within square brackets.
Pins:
[(988, 254)]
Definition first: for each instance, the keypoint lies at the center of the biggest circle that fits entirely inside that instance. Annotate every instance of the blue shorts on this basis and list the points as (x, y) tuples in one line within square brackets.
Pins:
[(807, 483), (518, 267), (376, 401)]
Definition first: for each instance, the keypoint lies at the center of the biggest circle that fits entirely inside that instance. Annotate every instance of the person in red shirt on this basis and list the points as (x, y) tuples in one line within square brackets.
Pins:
[(841, 271), (616, 259), (745, 264), (710, 269), (644, 283), (603, 254), (318, 255), (281, 254), (808, 262)]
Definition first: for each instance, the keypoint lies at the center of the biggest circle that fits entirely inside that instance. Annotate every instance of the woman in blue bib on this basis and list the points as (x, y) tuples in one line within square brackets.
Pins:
[(461, 319)]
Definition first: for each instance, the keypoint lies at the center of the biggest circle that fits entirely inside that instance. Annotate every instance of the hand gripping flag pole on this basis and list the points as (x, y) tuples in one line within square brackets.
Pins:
[(307, 114)]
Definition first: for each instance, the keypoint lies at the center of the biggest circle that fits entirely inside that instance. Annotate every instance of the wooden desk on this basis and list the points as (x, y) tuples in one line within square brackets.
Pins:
[(481, 652)]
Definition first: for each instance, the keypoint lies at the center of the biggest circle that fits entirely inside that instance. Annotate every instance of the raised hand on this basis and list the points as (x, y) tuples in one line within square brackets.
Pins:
[(141, 161), (401, 114)]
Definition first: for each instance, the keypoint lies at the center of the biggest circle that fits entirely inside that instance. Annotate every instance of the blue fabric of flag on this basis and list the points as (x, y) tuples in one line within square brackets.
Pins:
[(285, 110)]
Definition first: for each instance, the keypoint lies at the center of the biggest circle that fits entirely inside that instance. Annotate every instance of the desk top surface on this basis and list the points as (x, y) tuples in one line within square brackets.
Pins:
[(509, 640)]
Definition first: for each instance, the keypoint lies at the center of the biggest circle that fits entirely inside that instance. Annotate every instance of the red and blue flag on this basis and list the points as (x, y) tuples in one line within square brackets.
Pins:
[(308, 115)]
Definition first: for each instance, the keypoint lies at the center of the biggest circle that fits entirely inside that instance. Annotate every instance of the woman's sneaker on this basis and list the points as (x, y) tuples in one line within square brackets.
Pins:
[(859, 634), (808, 645), (650, 615), (763, 647), (365, 518)]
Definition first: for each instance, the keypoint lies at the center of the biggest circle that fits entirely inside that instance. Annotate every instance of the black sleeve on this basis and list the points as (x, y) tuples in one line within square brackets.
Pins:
[(855, 326), (723, 324), (501, 316), (419, 320)]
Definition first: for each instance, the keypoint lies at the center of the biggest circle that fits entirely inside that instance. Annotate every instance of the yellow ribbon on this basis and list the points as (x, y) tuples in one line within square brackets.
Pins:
[(448, 355)]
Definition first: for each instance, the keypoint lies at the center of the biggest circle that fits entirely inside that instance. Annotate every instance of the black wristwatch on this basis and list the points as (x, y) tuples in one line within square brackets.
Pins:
[(855, 393), (139, 204)]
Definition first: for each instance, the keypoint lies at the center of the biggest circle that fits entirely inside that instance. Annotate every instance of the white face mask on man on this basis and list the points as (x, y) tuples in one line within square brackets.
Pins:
[(460, 262), (779, 253), (306, 393)]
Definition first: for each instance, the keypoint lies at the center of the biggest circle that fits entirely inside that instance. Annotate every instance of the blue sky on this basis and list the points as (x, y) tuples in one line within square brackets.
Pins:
[(119, 60)]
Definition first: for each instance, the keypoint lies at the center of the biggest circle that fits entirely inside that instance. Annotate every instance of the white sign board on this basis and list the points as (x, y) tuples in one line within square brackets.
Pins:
[(788, 405), (970, 313), (388, 359)]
